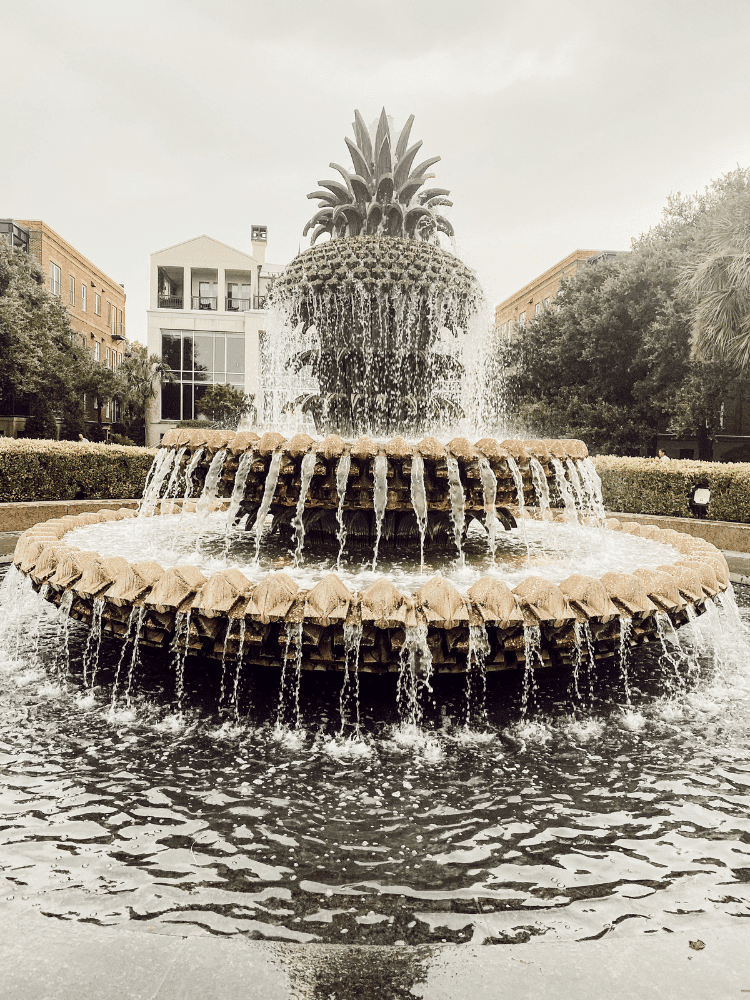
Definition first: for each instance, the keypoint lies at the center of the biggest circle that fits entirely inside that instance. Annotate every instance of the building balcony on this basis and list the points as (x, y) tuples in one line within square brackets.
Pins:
[(204, 303), (170, 302), (234, 305)]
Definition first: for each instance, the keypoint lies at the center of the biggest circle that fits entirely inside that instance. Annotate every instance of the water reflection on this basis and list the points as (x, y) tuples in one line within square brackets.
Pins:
[(592, 817)]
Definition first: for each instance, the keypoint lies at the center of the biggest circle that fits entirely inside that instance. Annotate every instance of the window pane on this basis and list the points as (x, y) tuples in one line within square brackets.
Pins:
[(187, 352), (235, 354), (219, 356), (187, 402), (199, 391), (170, 402), (170, 349), (204, 350)]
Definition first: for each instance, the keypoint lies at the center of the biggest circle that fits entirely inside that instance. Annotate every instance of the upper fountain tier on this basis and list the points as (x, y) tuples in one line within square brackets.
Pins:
[(380, 310)]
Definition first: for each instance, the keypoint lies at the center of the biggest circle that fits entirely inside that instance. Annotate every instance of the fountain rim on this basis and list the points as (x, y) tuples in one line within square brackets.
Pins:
[(42, 556)]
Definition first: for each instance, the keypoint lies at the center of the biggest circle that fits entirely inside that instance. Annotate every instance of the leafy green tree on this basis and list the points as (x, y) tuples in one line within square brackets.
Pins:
[(719, 282), (41, 421), (140, 374), (41, 358), (225, 405), (612, 361)]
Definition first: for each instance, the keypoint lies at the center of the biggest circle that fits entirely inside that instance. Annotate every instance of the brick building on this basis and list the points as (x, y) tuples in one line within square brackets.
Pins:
[(95, 302), (539, 294)]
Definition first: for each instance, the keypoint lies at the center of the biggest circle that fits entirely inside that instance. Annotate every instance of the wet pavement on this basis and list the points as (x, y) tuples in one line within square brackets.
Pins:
[(43, 958)]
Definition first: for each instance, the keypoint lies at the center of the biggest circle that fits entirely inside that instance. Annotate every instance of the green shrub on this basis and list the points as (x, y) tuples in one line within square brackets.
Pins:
[(661, 487), (40, 470)]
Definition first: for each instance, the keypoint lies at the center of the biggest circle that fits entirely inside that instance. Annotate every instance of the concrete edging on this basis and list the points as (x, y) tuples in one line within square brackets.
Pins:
[(16, 516)]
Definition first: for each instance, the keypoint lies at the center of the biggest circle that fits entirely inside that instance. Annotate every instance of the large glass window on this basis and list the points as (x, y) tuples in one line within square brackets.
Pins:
[(197, 360)]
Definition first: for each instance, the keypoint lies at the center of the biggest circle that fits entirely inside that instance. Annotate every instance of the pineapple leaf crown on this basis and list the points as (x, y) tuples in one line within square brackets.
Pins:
[(382, 196)]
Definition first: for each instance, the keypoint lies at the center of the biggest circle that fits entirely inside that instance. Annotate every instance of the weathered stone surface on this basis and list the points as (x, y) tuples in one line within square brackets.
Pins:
[(364, 448), (383, 604), (491, 449), (543, 601), (272, 599), (441, 603), (705, 573), (516, 447), (46, 564), (537, 448), (221, 593), (243, 441), (298, 445), (175, 587), (171, 437), (430, 448), (270, 442), (134, 582), (328, 601), (216, 440), (495, 602), (628, 593), (98, 574), (662, 589), (398, 448), (70, 566), (331, 447), (462, 448), (588, 597), (688, 582)]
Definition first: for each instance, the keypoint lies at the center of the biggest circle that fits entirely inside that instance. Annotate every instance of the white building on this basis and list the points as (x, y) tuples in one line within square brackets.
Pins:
[(205, 319)]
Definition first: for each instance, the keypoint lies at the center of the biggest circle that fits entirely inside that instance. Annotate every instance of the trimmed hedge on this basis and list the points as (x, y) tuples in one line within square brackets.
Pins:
[(661, 487), (43, 470)]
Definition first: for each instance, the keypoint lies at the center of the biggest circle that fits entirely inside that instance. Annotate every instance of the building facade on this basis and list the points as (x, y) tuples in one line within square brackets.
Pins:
[(539, 294), (95, 303), (206, 318)]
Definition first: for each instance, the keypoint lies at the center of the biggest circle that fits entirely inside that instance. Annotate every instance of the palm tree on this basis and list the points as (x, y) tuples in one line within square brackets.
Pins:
[(719, 283)]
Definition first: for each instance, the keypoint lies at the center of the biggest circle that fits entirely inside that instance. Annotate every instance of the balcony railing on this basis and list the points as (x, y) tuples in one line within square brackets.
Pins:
[(170, 302), (235, 305), (204, 303)]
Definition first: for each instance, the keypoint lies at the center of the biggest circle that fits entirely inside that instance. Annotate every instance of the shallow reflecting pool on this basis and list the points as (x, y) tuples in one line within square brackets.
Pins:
[(590, 817)]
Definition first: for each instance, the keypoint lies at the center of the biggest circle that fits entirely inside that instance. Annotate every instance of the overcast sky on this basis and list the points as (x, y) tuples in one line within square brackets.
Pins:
[(132, 126)]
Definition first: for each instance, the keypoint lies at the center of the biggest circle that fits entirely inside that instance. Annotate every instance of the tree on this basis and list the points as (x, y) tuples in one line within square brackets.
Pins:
[(719, 282), (140, 374), (225, 405), (612, 361), (41, 421), (39, 353)]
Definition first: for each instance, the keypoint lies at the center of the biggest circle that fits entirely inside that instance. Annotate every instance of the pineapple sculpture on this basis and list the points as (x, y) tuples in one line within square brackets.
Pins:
[(382, 302)]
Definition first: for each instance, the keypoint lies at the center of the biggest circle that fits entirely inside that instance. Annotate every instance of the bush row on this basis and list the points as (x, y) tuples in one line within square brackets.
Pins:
[(43, 470), (665, 487)]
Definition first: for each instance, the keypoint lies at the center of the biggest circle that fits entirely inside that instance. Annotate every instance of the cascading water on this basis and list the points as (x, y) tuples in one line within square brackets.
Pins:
[(306, 474), (564, 489), (349, 695), (520, 501), (380, 499), (211, 487), (456, 495), (419, 502), (540, 486), (238, 492), (342, 479), (489, 495), (269, 490), (167, 505)]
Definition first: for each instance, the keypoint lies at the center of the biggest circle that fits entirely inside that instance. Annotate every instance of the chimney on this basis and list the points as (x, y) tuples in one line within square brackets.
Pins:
[(258, 238)]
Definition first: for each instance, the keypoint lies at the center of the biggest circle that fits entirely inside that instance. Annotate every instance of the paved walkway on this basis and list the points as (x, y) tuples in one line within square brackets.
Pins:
[(46, 958)]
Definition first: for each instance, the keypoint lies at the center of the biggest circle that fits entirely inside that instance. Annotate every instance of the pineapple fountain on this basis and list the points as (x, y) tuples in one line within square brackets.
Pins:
[(371, 546)]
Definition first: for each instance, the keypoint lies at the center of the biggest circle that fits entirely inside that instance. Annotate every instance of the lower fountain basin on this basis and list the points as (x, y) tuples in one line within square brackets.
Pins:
[(226, 605)]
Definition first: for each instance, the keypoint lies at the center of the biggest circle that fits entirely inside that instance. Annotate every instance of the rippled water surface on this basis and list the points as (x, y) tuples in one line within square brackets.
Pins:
[(589, 818)]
